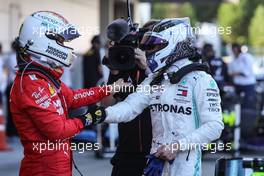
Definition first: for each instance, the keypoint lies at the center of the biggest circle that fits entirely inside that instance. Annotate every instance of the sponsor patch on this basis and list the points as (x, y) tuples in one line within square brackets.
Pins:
[(83, 94), (214, 109), (57, 53), (212, 84), (170, 108), (182, 92), (58, 106), (182, 86), (212, 99), (52, 91), (181, 100), (89, 119), (213, 104), (183, 82), (42, 99), (45, 104), (33, 77), (213, 90), (38, 94), (211, 94)]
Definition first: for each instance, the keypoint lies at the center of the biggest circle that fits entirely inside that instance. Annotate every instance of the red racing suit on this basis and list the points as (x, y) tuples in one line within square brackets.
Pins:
[(40, 113)]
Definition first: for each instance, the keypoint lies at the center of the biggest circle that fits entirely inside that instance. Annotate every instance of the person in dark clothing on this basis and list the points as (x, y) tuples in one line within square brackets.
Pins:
[(135, 137), (218, 67), (92, 60)]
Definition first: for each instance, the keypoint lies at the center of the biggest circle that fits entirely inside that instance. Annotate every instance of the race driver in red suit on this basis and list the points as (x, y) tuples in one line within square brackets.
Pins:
[(40, 101)]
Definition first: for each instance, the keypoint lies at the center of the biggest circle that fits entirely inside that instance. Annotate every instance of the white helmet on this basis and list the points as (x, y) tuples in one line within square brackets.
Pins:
[(170, 40), (42, 36)]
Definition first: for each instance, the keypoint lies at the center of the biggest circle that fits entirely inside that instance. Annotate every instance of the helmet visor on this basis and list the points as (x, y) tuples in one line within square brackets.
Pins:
[(63, 36), (152, 42), (69, 33)]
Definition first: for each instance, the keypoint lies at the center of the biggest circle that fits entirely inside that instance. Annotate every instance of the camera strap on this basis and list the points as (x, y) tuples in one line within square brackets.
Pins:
[(175, 77)]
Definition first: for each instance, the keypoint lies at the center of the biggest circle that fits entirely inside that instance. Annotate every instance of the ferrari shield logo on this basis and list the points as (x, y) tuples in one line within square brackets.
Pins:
[(52, 90)]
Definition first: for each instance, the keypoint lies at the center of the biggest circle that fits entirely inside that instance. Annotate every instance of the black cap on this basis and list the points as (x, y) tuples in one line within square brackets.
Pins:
[(117, 30)]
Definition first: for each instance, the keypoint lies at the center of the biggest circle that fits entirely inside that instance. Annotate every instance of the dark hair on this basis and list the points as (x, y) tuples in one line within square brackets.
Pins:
[(236, 45), (150, 24), (207, 47), (95, 39), (14, 45)]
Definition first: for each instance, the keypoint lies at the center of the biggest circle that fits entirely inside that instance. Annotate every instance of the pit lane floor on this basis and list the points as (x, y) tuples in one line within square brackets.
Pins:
[(10, 160)]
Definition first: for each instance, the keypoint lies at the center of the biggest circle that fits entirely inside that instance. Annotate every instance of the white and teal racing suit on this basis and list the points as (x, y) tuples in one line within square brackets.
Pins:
[(188, 112)]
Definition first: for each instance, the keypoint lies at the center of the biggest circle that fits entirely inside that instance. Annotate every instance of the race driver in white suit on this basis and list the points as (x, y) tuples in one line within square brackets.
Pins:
[(185, 114)]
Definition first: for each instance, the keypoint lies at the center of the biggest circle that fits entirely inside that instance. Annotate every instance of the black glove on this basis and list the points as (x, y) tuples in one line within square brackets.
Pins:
[(91, 116)]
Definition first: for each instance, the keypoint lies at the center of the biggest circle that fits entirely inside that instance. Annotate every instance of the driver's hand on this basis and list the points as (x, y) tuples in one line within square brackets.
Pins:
[(166, 152), (140, 58)]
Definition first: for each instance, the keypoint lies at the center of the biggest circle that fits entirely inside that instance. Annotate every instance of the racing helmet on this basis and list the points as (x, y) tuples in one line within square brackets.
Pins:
[(169, 40), (42, 36)]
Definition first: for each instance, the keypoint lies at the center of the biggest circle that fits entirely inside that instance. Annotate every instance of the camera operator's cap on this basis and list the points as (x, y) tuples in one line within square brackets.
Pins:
[(117, 30), (152, 42)]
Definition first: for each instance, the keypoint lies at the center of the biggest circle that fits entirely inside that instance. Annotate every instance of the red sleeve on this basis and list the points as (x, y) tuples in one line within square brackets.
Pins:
[(84, 97), (47, 113)]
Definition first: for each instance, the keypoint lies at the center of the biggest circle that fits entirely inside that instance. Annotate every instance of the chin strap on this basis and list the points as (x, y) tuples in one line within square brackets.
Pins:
[(175, 77)]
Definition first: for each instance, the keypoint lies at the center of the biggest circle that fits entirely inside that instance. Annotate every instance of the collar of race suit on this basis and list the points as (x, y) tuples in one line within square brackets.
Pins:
[(52, 75)]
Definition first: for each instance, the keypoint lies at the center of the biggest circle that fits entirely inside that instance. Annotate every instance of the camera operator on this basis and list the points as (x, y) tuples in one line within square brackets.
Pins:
[(135, 136)]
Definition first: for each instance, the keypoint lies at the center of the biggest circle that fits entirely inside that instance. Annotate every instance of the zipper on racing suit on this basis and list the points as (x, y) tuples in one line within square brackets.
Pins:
[(139, 120), (140, 135), (187, 158)]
